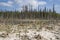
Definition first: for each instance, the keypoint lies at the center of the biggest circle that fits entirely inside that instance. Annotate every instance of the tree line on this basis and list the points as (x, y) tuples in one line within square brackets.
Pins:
[(29, 13)]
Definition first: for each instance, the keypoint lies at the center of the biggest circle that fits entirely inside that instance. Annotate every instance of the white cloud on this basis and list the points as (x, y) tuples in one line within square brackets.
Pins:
[(20, 3), (9, 3), (42, 3), (34, 3)]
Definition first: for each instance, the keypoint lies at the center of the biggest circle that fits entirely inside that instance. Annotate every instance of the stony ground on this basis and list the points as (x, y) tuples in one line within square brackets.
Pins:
[(35, 31)]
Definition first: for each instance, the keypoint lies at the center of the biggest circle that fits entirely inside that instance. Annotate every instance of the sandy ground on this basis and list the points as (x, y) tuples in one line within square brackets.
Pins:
[(45, 33)]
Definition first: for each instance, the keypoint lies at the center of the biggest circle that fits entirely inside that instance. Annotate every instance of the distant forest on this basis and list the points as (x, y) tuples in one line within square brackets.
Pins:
[(31, 14)]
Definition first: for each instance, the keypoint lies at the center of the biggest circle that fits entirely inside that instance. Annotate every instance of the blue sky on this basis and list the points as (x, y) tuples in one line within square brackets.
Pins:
[(17, 4)]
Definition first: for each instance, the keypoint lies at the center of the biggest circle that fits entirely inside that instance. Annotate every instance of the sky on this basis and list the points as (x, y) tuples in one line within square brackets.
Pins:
[(18, 4)]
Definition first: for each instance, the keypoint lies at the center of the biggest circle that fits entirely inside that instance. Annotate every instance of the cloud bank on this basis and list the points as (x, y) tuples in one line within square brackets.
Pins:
[(34, 3), (21, 3), (9, 3)]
